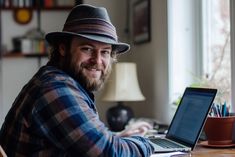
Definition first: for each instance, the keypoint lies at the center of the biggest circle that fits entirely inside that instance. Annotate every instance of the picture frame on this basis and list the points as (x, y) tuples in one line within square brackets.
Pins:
[(141, 22)]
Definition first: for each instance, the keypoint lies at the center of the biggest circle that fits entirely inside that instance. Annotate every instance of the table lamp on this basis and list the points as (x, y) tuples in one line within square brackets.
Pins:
[(122, 86)]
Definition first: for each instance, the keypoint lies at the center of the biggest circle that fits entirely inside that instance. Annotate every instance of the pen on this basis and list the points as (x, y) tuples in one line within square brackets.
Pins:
[(215, 111), (223, 109), (219, 111)]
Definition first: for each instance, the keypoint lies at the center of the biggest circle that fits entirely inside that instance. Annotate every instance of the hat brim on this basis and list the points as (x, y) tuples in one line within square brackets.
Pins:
[(119, 47)]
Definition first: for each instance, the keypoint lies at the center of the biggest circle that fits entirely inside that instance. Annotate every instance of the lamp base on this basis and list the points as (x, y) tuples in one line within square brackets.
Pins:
[(118, 116)]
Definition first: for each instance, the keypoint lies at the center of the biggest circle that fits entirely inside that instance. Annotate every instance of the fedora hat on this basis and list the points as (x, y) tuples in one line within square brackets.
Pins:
[(92, 23)]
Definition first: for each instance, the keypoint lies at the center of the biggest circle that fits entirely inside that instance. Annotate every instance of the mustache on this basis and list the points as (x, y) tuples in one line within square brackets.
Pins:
[(92, 66)]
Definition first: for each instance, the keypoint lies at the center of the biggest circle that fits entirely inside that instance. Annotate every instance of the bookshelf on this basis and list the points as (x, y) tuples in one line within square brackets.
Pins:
[(34, 46), (43, 4)]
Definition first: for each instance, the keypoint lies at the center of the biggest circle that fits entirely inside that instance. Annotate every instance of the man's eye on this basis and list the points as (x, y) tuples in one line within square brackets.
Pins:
[(86, 49), (106, 52)]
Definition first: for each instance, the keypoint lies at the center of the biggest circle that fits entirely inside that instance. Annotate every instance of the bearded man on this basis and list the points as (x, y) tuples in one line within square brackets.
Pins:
[(55, 113)]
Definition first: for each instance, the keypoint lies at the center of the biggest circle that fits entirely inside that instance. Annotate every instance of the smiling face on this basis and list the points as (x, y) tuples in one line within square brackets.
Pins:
[(89, 62)]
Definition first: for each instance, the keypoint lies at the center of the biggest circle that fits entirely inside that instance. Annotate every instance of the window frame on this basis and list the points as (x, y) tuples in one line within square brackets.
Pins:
[(200, 45), (232, 31)]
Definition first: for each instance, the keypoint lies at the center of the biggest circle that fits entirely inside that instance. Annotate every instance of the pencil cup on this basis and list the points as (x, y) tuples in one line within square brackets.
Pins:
[(220, 130)]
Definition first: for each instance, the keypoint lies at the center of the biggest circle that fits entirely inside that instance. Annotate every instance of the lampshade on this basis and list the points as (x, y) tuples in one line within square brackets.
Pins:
[(123, 84)]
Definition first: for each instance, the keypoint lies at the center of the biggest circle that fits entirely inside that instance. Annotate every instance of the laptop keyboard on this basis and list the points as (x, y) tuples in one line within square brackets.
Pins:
[(164, 143)]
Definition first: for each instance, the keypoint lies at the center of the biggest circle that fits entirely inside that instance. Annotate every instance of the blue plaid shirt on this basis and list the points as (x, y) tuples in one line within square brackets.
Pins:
[(54, 116)]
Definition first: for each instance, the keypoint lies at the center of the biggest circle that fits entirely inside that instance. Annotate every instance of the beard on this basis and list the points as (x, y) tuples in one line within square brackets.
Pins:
[(77, 71), (91, 84)]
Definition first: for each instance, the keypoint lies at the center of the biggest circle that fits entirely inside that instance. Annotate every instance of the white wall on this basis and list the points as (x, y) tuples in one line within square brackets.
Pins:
[(16, 72)]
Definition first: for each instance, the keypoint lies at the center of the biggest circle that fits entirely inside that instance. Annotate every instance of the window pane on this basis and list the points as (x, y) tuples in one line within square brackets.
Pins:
[(217, 63), (199, 46), (184, 22)]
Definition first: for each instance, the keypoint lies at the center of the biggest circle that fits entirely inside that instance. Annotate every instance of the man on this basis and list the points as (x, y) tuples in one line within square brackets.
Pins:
[(55, 114)]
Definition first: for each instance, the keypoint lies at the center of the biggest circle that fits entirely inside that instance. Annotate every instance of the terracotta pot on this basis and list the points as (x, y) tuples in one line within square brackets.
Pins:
[(220, 130)]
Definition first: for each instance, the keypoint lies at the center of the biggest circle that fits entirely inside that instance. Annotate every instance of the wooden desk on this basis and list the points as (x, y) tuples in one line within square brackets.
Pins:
[(200, 151)]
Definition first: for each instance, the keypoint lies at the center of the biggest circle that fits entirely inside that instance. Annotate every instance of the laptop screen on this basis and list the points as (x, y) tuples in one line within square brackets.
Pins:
[(191, 114)]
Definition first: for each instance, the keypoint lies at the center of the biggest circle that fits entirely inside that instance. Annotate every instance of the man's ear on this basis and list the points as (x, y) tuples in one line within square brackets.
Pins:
[(62, 49)]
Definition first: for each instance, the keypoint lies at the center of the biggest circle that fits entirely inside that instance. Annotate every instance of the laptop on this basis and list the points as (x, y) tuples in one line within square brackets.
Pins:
[(188, 121)]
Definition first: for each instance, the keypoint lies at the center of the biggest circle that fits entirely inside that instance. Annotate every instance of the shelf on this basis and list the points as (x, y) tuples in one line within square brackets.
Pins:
[(20, 55), (42, 9), (35, 55), (39, 4)]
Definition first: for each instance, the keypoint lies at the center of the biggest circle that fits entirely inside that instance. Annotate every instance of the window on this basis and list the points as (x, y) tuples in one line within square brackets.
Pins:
[(184, 46), (199, 46), (216, 47)]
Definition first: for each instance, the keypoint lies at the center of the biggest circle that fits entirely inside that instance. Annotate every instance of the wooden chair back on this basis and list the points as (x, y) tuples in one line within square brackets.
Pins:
[(2, 152)]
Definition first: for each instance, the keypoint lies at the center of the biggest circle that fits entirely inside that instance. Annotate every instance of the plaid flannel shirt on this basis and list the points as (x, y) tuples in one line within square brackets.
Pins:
[(54, 116)]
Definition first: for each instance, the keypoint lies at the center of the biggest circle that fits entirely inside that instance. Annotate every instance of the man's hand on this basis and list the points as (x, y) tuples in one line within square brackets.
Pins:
[(137, 128)]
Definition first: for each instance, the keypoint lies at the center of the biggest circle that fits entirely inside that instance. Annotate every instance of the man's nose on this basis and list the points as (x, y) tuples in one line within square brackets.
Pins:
[(97, 57)]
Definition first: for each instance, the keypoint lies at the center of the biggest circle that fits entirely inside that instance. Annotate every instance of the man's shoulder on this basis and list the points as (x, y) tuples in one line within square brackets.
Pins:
[(51, 74), (50, 78)]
